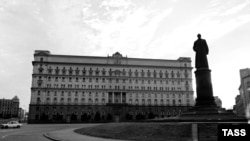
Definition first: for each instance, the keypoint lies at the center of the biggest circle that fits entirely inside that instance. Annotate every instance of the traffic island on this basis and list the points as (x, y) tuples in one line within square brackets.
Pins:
[(141, 131)]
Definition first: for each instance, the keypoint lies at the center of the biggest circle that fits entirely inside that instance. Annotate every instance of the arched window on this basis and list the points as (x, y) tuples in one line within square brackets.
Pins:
[(90, 100), (143, 101), (136, 101), (156, 102), (48, 100), (149, 101), (173, 102), (62, 100), (38, 100), (162, 103), (55, 100), (69, 100), (130, 101)]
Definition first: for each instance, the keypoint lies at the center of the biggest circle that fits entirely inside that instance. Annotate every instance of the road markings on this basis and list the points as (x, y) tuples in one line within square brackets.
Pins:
[(15, 134), (3, 131)]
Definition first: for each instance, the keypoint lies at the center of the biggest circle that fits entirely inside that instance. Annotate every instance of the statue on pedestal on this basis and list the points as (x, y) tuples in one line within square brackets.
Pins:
[(203, 77)]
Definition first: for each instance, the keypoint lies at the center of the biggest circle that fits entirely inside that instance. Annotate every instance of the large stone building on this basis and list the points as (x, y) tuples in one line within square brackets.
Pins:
[(114, 88), (9, 108), (245, 89), (238, 107)]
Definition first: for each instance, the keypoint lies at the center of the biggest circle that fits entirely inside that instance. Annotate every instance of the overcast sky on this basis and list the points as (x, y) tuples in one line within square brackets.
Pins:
[(162, 29)]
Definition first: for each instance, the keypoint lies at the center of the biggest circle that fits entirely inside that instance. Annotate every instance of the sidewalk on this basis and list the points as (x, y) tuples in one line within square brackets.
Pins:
[(70, 135)]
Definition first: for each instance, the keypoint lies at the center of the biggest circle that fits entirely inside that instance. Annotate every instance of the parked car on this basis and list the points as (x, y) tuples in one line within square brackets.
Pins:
[(11, 124)]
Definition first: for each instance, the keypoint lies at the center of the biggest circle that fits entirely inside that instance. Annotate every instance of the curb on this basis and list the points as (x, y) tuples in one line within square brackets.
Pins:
[(52, 138)]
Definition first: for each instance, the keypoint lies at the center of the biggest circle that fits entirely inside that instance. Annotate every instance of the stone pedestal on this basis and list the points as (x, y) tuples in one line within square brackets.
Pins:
[(205, 109)]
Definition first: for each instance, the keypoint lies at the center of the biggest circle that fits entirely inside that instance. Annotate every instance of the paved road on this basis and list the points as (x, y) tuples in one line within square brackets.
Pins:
[(34, 132)]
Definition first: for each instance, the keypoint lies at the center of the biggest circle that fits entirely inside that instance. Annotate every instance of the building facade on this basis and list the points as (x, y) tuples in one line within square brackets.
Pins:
[(238, 107), (9, 108), (244, 89), (113, 88), (218, 101)]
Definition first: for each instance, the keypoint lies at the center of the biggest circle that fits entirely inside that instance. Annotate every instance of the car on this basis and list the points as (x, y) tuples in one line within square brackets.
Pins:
[(11, 124)]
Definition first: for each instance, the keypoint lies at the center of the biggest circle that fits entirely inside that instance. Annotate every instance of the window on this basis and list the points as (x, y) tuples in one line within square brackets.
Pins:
[(77, 71), (63, 70), (48, 93), (148, 73), (69, 100), (162, 103), (50, 70), (173, 102), (166, 74), (90, 71), (149, 101), (97, 72), (186, 74), (90, 100), (55, 100), (130, 101), (136, 73), (143, 101), (124, 72), (70, 71), (103, 72), (83, 71), (38, 100), (110, 72), (155, 74), (172, 74), (57, 70), (130, 72), (178, 74), (136, 101)]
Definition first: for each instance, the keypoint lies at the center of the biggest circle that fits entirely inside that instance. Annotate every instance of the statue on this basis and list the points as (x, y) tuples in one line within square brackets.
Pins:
[(201, 49)]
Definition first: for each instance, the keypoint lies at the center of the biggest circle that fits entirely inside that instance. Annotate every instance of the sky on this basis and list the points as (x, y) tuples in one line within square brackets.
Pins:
[(162, 29)]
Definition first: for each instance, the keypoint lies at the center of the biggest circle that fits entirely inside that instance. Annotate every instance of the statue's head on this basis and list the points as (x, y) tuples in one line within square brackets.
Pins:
[(199, 36)]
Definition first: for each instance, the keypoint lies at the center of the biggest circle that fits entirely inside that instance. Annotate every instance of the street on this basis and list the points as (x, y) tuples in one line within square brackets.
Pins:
[(34, 132)]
